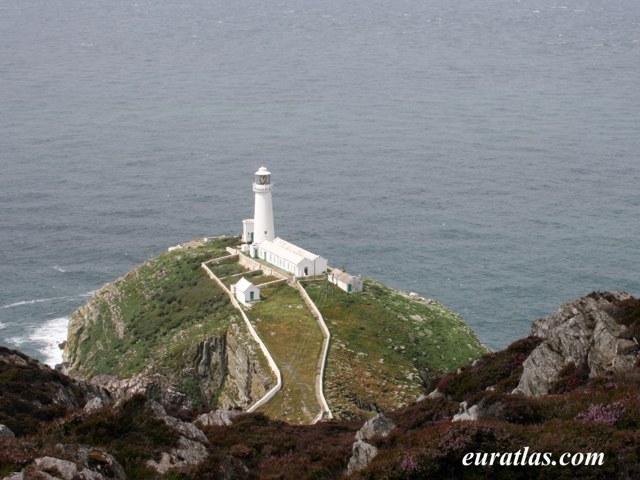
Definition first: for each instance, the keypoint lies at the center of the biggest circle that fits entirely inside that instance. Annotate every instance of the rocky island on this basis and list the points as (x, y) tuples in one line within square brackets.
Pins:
[(160, 370), (168, 331)]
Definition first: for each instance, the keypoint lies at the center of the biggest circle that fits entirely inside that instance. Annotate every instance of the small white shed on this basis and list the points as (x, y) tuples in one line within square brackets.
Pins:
[(246, 292), (347, 282)]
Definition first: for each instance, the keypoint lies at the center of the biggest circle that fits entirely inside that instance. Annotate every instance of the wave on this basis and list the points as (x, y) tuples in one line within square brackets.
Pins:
[(42, 300), (2, 325), (48, 336), (59, 269)]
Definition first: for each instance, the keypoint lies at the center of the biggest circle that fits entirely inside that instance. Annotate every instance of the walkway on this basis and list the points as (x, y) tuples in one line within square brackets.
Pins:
[(295, 343), (291, 334)]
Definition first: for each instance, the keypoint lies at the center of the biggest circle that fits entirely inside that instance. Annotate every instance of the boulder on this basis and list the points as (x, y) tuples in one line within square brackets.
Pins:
[(362, 451), (5, 432), (217, 418), (191, 449), (73, 462), (96, 403), (187, 453), (466, 413), (584, 332)]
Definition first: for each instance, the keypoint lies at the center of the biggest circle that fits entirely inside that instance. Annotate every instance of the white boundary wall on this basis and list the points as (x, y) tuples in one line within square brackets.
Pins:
[(323, 358), (274, 368)]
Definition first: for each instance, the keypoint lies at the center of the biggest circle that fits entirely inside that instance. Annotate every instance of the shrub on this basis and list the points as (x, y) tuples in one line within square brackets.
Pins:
[(606, 414), (570, 377)]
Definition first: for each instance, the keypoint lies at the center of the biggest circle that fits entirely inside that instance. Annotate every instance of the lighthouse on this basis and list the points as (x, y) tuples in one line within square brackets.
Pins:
[(263, 213), (259, 239)]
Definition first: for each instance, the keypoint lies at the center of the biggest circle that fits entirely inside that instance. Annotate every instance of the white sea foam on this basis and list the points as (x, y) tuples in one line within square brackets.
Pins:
[(48, 336), (31, 302), (16, 341), (42, 300), (58, 269), (2, 325)]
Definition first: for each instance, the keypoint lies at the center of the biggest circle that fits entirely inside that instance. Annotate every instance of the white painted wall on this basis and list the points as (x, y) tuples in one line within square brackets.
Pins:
[(263, 212), (247, 230), (244, 296)]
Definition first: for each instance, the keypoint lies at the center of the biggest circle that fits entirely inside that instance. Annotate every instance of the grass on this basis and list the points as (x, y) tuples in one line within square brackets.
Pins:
[(294, 340), (385, 346), (227, 268), (153, 318)]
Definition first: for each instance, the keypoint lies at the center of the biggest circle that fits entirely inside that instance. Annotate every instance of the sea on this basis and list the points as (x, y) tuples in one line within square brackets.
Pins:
[(482, 153)]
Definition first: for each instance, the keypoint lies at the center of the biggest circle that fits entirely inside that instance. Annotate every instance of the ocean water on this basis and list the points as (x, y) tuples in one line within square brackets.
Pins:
[(482, 153)]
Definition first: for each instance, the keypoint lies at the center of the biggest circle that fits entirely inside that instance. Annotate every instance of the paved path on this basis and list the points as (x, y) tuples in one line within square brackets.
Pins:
[(283, 331)]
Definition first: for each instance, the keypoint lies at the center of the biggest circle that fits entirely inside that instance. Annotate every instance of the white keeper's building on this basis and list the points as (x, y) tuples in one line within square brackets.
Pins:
[(291, 258), (347, 282), (246, 292)]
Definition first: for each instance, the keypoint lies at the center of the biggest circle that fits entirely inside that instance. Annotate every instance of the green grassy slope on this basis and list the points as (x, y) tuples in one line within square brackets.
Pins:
[(152, 319), (294, 339), (385, 345)]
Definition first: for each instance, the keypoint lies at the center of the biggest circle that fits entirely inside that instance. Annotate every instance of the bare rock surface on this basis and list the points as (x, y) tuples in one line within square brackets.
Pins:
[(73, 462), (586, 333), (466, 413), (6, 432), (218, 418), (363, 451), (191, 449)]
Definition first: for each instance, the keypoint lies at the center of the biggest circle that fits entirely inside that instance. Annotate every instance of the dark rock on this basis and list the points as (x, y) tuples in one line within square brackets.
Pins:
[(6, 432), (32, 393)]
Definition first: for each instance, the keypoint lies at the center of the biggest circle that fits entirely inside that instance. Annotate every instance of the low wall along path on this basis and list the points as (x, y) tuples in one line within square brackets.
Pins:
[(284, 323)]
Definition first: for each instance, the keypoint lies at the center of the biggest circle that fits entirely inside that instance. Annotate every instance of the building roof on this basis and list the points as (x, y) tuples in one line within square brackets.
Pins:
[(288, 251), (282, 252), (295, 249), (243, 285), (341, 276)]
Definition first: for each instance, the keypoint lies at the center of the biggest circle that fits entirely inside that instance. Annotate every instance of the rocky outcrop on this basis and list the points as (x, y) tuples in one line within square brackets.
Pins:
[(246, 380), (225, 369), (5, 432), (466, 413), (211, 366), (591, 333), (73, 462), (167, 331), (149, 384), (191, 449), (31, 392), (363, 451), (218, 418)]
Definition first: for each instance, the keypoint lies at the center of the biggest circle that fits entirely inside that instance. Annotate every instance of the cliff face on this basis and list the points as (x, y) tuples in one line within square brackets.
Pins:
[(592, 336), (166, 331), (225, 372)]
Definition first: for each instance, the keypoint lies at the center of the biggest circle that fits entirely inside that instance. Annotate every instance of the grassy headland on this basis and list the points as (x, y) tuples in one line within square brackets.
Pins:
[(294, 340), (385, 346)]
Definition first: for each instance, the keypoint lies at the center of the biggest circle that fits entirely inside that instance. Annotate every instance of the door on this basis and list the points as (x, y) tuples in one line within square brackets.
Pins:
[(250, 296)]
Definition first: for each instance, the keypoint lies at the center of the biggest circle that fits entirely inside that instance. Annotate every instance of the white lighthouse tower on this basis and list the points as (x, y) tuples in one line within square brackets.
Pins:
[(263, 214)]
